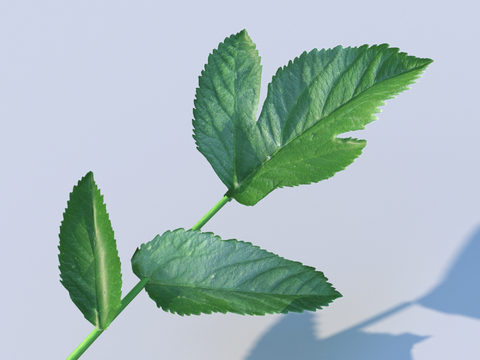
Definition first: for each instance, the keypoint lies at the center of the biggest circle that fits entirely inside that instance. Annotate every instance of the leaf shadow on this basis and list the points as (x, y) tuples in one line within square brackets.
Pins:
[(459, 292), (294, 336)]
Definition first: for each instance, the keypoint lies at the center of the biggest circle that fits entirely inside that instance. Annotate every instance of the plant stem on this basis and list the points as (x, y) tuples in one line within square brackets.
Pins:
[(85, 344), (211, 213), (131, 295)]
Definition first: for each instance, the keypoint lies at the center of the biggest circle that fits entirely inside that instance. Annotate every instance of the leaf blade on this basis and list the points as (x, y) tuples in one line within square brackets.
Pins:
[(192, 273), (341, 91), (226, 103), (89, 262), (320, 95)]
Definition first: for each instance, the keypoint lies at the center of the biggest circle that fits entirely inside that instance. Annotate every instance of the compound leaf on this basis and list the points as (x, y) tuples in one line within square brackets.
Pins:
[(311, 101), (89, 262), (191, 272)]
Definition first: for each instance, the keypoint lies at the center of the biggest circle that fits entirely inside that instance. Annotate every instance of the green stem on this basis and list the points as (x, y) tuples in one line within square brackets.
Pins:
[(136, 290), (211, 213), (85, 344), (131, 295)]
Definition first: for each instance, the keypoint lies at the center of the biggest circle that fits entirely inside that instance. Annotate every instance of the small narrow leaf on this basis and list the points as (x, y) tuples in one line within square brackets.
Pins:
[(191, 272), (311, 101), (89, 262)]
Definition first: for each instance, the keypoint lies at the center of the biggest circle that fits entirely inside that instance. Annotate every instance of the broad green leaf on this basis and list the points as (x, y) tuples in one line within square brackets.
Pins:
[(89, 262), (191, 272), (311, 101)]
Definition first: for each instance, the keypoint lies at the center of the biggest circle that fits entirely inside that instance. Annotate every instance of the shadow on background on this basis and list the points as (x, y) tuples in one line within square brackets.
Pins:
[(294, 336), (459, 292)]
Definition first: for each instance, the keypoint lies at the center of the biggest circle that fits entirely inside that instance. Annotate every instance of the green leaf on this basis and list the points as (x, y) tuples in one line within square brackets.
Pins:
[(191, 272), (226, 106), (311, 101), (89, 262)]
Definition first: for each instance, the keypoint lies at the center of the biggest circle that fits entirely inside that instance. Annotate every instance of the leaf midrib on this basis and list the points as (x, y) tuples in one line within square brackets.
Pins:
[(235, 122), (234, 290), (97, 260)]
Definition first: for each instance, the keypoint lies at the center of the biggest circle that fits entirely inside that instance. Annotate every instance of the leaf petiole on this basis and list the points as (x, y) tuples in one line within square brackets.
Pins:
[(211, 213)]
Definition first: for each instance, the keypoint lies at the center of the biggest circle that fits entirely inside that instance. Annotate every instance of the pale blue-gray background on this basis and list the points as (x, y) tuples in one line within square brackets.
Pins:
[(108, 86)]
